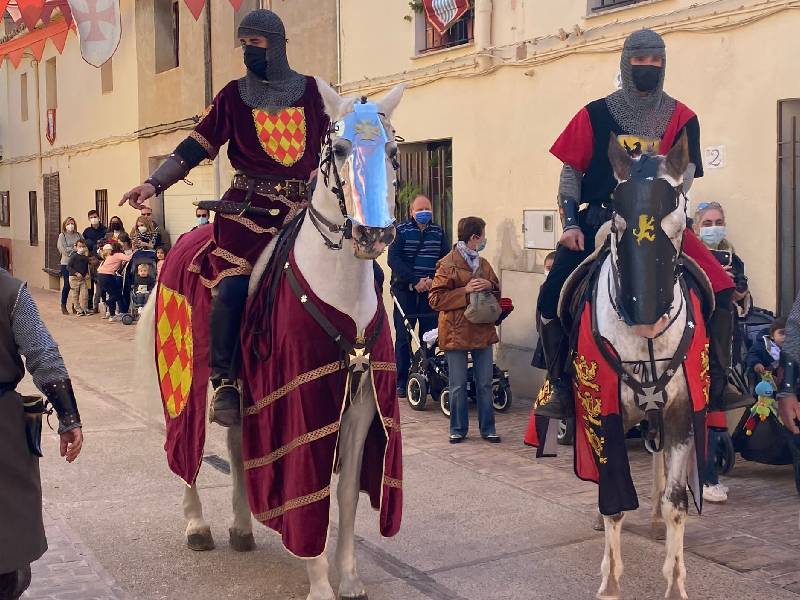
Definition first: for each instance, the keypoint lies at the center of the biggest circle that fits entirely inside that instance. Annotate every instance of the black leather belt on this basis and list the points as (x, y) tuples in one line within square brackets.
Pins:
[(290, 188)]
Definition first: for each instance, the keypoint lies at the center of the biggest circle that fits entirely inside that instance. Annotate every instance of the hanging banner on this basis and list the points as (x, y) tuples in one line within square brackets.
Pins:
[(99, 28), (196, 6), (35, 41), (51, 126), (31, 11), (443, 14)]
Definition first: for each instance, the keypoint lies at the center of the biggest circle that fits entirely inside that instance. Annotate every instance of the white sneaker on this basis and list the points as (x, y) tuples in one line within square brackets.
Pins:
[(714, 493), (114, 319), (108, 314)]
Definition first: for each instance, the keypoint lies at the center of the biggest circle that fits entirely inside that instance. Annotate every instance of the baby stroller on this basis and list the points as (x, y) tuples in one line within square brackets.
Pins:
[(137, 293), (428, 374)]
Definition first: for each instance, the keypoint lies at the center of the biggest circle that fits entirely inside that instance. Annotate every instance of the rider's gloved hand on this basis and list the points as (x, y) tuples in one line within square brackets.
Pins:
[(572, 239), (138, 195)]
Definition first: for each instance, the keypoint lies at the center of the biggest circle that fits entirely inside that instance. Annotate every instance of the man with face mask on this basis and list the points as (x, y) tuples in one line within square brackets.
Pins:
[(413, 255), (201, 215), (272, 119), (645, 120)]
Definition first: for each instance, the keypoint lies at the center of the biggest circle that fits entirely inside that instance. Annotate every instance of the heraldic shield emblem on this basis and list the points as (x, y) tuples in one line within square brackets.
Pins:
[(282, 134), (174, 349)]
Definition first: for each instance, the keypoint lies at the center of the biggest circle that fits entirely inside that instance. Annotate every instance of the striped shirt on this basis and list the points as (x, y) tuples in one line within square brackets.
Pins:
[(415, 251)]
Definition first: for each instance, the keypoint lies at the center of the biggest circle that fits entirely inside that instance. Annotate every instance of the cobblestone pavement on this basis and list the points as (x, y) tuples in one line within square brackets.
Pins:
[(481, 521)]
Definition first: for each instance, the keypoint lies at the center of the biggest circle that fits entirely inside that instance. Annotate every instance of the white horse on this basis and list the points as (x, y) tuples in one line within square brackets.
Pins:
[(341, 279), (637, 338)]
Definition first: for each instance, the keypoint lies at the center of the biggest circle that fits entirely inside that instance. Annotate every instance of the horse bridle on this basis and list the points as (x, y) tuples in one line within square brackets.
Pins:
[(327, 167)]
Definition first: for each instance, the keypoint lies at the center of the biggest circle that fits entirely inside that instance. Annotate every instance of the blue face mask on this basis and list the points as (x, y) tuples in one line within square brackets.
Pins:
[(423, 217), (712, 236), (482, 246), (202, 220)]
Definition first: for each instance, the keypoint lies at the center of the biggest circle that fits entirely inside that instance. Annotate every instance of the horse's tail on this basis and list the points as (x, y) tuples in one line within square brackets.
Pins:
[(148, 400)]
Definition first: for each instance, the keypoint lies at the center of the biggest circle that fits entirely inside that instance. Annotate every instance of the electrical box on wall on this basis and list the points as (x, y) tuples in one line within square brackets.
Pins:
[(539, 229)]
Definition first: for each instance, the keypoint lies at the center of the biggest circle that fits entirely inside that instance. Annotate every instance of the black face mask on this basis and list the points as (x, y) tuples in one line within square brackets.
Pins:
[(646, 77), (116, 226), (255, 59)]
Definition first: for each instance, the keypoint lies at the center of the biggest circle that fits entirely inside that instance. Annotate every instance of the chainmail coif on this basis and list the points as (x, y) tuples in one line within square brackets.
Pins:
[(643, 115), (283, 86)]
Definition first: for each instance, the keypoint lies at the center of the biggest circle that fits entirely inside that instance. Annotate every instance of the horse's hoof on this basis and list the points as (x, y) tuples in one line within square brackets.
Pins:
[(241, 542), (599, 524), (200, 541)]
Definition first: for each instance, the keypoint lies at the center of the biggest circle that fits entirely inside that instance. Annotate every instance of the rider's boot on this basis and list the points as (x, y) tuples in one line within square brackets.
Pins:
[(723, 396), (557, 399), (227, 400)]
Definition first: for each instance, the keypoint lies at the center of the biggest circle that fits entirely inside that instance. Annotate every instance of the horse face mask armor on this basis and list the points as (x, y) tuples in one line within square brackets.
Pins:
[(646, 264)]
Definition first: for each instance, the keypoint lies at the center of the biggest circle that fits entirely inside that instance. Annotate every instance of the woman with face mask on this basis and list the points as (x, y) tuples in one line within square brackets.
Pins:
[(115, 227), (460, 274), (66, 246), (143, 235)]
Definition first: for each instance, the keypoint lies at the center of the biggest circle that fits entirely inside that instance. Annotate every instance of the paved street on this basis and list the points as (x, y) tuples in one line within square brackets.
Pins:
[(480, 521)]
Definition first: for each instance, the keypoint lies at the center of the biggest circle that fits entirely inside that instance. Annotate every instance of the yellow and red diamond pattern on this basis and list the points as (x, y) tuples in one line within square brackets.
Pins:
[(174, 349), (282, 134)]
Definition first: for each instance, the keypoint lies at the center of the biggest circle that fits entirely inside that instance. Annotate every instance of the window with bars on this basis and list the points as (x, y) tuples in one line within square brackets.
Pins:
[(5, 209), (461, 32), (601, 5), (33, 227), (101, 205)]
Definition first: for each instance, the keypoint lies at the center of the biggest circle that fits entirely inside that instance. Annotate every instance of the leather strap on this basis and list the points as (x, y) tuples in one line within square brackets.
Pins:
[(290, 188)]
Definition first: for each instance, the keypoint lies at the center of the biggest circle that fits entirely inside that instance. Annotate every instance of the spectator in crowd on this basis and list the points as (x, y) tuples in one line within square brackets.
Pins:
[(548, 263), (709, 224), (94, 289), (538, 360), (78, 267), (113, 260), (161, 255), (144, 235), (413, 255), (146, 211), (203, 217), (66, 246), (765, 353), (788, 405), (115, 229), (459, 275), (95, 233), (144, 281), (126, 243)]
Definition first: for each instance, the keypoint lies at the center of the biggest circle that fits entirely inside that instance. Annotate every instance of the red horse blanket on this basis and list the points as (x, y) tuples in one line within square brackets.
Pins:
[(182, 333), (293, 406), (600, 452)]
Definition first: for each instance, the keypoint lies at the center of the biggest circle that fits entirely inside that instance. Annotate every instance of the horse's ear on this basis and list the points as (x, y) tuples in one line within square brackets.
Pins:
[(619, 158), (389, 102), (677, 159), (336, 106)]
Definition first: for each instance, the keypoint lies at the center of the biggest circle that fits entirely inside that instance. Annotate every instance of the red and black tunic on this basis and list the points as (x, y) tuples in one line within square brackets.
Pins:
[(278, 145)]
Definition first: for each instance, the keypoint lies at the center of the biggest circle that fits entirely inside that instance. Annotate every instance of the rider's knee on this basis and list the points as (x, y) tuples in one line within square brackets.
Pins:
[(233, 290)]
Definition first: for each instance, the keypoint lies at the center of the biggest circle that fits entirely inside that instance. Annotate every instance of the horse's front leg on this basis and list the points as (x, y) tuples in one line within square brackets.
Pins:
[(611, 566), (241, 533), (319, 584), (659, 483), (674, 506), (198, 533), (356, 422)]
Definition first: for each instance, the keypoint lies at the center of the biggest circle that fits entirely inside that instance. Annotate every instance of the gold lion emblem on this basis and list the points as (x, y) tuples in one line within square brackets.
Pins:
[(646, 230)]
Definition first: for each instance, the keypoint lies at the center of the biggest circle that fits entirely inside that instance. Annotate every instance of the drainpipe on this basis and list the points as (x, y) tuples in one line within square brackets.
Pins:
[(35, 64), (209, 86), (339, 45), (483, 32)]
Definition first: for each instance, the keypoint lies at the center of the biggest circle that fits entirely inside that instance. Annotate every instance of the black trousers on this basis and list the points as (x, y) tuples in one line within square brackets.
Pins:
[(417, 309)]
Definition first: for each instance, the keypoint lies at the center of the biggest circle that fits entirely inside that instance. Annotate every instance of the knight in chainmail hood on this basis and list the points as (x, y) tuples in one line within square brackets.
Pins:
[(644, 119), (272, 120), (270, 81)]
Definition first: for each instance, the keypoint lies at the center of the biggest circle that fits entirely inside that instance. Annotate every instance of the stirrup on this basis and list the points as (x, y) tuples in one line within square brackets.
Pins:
[(554, 401), (226, 404)]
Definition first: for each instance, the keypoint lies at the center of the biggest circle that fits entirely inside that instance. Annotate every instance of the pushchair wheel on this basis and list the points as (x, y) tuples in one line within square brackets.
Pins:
[(501, 395), (725, 455), (417, 391), (127, 319), (444, 402)]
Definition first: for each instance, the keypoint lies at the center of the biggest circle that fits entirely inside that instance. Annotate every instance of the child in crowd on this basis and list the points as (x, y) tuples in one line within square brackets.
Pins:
[(78, 267), (161, 254), (143, 283), (113, 259), (765, 353)]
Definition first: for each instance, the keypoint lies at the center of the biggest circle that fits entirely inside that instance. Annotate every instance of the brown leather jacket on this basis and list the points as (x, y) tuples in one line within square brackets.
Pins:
[(449, 296)]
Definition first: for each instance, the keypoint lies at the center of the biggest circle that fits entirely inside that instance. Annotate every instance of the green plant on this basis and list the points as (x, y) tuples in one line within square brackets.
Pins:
[(408, 191), (416, 5)]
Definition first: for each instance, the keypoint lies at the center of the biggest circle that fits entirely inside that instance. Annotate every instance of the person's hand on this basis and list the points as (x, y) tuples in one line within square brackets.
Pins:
[(420, 286), (759, 368), (789, 412), (138, 195), (428, 284), (478, 285), (572, 239), (71, 444), (729, 270)]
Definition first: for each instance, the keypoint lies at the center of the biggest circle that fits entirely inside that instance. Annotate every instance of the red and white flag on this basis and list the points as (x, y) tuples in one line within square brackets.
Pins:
[(99, 28), (444, 13)]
